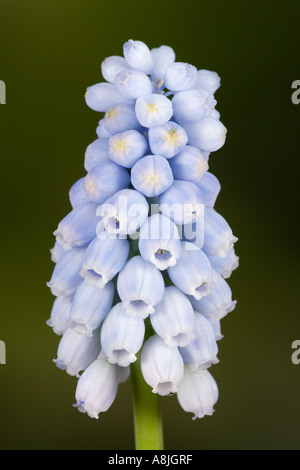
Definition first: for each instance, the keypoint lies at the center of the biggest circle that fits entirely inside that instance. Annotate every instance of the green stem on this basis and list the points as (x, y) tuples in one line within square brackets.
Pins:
[(146, 410)]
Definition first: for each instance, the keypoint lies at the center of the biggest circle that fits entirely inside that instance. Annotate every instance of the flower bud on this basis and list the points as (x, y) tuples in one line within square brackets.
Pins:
[(138, 56), (153, 110), (103, 180), (127, 148), (112, 66), (180, 76), (96, 153), (104, 96), (167, 140), (162, 56), (189, 165), (151, 175)]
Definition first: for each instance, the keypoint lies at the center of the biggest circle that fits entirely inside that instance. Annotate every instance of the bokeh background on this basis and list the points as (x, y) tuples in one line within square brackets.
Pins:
[(50, 52)]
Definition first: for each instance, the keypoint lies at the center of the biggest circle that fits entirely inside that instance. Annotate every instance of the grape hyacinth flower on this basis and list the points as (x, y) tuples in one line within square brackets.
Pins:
[(143, 257)]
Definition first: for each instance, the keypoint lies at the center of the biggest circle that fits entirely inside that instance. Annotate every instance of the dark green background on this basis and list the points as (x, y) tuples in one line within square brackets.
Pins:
[(50, 51)]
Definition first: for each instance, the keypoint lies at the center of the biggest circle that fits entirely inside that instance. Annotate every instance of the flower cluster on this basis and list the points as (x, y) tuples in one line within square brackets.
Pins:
[(143, 248)]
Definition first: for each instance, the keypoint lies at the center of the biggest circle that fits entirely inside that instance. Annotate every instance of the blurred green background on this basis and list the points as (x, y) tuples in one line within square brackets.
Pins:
[(50, 51)]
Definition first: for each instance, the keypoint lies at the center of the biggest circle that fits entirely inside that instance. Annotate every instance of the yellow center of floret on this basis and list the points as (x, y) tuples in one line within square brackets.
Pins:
[(90, 187), (152, 178), (111, 112), (120, 145), (152, 107), (171, 137), (160, 251), (202, 166)]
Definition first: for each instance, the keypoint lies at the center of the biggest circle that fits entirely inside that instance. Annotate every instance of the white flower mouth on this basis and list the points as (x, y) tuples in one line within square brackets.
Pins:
[(122, 357), (165, 388), (91, 276), (138, 308), (163, 258)]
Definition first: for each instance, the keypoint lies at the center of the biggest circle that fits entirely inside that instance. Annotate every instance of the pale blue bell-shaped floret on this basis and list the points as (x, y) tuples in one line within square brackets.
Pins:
[(207, 80), (96, 153), (189, 165), (101, 130), (162, 367), (215, 114), (210, 188), (122, 336), (194, 232), (124, 212), (65, 277), (58, 250), (192, 273), (126, 148), (152, 175), (208, 134), (121, 118), (59, 314), (180, 76), (218, 236), (104, 258), (89, 307), (112, 66), (167, 140), (162, 56), (225, 266), (159, 241), (104, 180), (192, 105), (218, 303), (153, 110), (202, 352), (77, 194), (78, 227), (104, 96), (174, 319), (123, 372), (97, 387), (140, 287), (76, 352), (182, 202), (132, 84), (198, 392), (216, 326), (138, 56)]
